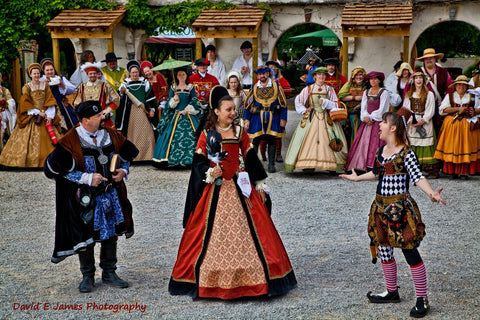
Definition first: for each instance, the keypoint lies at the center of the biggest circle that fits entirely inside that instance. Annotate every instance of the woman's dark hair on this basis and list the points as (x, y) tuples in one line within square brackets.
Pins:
[(84, 56), (212, 118), (176, 78), (368, 85), (401, 135)]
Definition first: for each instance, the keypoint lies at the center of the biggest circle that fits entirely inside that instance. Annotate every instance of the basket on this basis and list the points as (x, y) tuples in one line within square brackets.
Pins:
[(339, 114)]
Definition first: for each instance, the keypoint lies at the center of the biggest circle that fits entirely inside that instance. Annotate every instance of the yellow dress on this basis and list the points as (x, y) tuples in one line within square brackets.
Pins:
[(30, 143)]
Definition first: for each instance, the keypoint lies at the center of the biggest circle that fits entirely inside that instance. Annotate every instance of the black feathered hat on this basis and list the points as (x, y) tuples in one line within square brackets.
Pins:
[(217, 93)]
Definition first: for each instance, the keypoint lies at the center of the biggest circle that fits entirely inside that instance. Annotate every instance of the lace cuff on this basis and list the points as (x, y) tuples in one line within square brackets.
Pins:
[(262, 186), (208, 176), (191, 110)]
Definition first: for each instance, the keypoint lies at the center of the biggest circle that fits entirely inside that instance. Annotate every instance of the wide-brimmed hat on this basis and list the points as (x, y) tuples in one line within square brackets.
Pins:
[(32, 66), (375, 74), (234, 73), (319, 70), (461, 79), (404, 66), (110, 56), (356, 70), (333, 61), (430, 52), (217, 93), (88, 66), (419, 73), (133, 63)]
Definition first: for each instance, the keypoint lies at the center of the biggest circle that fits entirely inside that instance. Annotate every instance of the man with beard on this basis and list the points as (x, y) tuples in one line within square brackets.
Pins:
[(266, 113), (334, 78), (95, 89), (91, 197)]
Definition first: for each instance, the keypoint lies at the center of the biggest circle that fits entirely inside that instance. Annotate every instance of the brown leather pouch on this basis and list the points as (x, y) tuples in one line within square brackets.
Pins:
[(38, 119)]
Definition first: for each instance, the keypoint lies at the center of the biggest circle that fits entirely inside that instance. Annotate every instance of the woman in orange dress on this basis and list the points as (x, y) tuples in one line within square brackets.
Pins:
[(230, 247), (30, 142), (459, 143)]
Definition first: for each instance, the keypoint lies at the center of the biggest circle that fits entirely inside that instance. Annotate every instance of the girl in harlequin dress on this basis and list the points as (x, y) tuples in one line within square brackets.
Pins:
[(230, 247), (394, 219)]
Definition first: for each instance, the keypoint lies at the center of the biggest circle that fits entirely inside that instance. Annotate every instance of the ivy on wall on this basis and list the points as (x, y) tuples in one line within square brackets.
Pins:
[(24, 19)]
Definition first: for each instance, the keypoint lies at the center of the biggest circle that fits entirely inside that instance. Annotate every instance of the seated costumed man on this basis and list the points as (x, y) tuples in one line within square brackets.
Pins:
[(91, 197)]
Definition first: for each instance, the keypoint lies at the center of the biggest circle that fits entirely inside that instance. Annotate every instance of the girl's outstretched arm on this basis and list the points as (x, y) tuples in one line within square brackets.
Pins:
[(425, 186), (363, 177)]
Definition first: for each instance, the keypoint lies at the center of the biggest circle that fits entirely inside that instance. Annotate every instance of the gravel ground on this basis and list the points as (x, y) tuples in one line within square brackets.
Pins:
[(321, 219)]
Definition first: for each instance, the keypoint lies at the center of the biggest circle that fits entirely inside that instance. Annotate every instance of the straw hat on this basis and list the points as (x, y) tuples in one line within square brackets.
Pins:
[(404, 66), (430, 52), (461, 79)]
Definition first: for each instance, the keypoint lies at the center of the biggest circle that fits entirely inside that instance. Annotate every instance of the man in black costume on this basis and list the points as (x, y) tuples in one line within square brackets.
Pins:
[(91, 197)]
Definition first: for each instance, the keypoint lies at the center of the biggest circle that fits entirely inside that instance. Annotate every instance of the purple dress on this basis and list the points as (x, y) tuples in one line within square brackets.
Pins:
[(367, 141)]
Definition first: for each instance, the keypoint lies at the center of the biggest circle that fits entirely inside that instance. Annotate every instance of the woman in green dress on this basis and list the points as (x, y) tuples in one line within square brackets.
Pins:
[(180, 119), (135, 117)]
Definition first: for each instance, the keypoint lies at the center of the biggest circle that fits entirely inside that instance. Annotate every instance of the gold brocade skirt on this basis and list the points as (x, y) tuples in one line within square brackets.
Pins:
[(28, 147), (140, 133), (231, 259)]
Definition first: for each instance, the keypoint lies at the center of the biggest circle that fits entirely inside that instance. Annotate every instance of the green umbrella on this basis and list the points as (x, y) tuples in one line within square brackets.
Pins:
[(325, 37), (171, 64)]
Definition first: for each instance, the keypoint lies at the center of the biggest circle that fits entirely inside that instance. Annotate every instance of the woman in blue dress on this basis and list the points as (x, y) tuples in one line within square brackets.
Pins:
[(180, 119)]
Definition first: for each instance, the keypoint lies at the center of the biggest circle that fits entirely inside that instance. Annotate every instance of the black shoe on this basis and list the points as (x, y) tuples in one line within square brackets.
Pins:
[(386, 297), (87, 284), (264, 157), (454, 177), (421, 308), (113, 280), (279, 158)]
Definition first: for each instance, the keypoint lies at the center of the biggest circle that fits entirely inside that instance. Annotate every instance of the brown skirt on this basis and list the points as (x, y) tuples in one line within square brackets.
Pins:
[(395, 221)]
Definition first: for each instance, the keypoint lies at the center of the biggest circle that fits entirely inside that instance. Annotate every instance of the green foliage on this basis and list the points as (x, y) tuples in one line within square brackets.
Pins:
[(140, 15), (268, 15), (26, 19), (453, 38)]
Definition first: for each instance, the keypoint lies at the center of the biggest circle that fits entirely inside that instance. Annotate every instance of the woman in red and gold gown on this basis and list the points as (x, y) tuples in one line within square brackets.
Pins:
[(230, 247)]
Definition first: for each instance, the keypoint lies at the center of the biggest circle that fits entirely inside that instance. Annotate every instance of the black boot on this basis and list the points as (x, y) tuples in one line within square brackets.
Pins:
[(279, 150), (272, 152), (108, 261), (386, 297), (421, 308), (263, 150), (87, 267)]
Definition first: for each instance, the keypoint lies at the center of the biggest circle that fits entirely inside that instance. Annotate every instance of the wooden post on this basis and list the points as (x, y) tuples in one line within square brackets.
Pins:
[(405, 48), (16, 80), (56, 55), (198, 48), (110, 45), (345, 57), (255, 59)]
